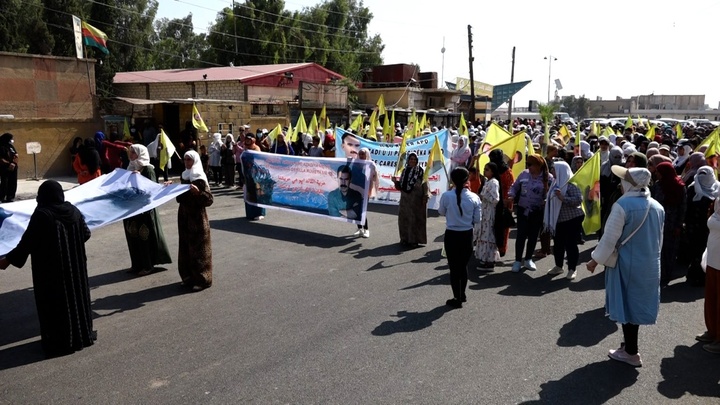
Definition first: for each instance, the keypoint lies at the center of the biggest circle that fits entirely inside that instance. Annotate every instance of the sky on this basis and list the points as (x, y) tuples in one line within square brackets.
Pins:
[(603, 49)]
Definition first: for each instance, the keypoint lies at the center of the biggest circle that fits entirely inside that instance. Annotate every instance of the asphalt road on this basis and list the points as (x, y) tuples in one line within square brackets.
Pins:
[(302, 312)]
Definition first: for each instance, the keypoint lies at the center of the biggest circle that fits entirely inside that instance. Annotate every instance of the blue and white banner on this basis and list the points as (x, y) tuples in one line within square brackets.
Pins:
[(109, 198), (326, 187), (385, 156)]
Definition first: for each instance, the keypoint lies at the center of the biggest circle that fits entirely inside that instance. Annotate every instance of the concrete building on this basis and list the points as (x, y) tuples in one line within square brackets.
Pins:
[(261, 96), (52, 100), (655, 106)]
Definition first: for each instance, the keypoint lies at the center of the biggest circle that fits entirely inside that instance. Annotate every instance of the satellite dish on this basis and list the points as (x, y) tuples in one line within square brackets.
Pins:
[(558, 85)]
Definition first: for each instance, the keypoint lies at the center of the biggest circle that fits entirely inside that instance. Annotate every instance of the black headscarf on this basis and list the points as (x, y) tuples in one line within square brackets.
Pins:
[(89, 156), (496, 156), (411, 175), (51, 199)]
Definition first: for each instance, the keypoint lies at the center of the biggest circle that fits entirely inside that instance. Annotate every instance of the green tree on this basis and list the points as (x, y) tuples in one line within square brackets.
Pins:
[(547, 113), (175, 45), (576, 107), (57, 17), (22, 28)]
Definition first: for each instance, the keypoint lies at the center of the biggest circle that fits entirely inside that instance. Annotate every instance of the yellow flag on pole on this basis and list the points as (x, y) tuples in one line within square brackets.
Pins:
[(678, 131), (275, 132), (166, 151), (587, 179), (127, 136), (462, 127), (513, 147), (565, 133), (313, 127), (628, 122), (436, 161), (400, 165), (197, 120), (322, 120), (381, 106)]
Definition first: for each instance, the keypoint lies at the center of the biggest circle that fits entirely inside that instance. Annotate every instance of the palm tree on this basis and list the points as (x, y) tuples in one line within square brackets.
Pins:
[(547, 112)]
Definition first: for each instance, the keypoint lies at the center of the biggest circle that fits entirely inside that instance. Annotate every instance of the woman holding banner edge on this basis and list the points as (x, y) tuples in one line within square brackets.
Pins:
[(414, 196)]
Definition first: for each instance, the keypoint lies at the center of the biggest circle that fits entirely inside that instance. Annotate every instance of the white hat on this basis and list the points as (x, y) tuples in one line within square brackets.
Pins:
[(638, 177)]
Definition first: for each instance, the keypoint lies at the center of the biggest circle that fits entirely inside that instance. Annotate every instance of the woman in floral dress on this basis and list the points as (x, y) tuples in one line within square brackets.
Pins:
[(486, 250)]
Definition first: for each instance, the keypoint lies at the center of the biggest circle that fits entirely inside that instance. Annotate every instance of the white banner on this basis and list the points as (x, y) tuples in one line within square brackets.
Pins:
[(385, 156), (109, 198)]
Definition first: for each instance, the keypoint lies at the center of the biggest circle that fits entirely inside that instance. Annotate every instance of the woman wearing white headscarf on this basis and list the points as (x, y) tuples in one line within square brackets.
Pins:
[(700, 195), (563, 219), (461, 154), (195, 249), (712, 285), (143, 232), (632, 283), (215, 162), (364, 154), (684, 150)]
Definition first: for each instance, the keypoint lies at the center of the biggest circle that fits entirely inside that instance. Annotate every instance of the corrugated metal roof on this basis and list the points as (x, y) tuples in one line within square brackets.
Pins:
[(240, 73)]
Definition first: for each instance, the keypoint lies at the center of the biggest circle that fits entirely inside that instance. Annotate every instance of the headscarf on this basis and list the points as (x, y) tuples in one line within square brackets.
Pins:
[(217, 140), (553, 205), (498, 157), (651, 145), (670, 183), (695, 161), (585, 150), (463, 150), (459, 177), (143, 158), (705, 184), (633, 179), (196, 172), (410, 175), (575, 166), (51, 200), (89, 156), (615, 157), (655, 160), (681, 159), (652, 152)]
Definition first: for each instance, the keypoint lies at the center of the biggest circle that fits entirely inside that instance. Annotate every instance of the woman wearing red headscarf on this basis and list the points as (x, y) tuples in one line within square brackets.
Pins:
[(669, 191)]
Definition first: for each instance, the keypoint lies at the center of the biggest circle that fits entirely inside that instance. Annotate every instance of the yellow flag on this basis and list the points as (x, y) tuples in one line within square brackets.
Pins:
[(290, 132), (423, 123), (436, 161), (679, 131), (513, 147), (628, 122), (373, 125), (313, 127), (608, 130), (275, 132), (587, 179), (322, 120), (387, 130), (197, 120), (462, 127), (564, 132), (650, 134), (594, 129), (357, 123), (127, 136), (400, 165), (166, 151), (495, 135), (710, 141), (300, 126), (381, 106)]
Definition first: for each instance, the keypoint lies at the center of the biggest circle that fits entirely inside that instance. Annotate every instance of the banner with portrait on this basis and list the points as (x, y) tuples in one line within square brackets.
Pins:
[(385, 156), (324, 187), (105, 200)]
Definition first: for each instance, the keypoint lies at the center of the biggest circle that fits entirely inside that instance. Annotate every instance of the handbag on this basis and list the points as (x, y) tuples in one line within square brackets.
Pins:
[(613, 258)]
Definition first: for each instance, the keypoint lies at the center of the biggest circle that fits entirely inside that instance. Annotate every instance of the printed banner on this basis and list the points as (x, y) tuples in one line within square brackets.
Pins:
[(109, 198), (385, 156), (325, 187)]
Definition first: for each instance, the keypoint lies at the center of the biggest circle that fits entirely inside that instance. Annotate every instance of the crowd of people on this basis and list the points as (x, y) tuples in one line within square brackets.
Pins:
[(660, 214)]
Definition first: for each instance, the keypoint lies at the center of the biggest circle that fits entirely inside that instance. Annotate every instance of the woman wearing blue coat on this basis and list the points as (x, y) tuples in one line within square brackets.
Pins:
[(632, 284)]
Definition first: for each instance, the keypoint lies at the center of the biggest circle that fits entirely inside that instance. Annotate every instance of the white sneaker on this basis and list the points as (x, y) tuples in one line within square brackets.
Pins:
[(555, 270), (366, 233), (571, 275), (530, 265), (359, 232), (516, 267), (621, 355)]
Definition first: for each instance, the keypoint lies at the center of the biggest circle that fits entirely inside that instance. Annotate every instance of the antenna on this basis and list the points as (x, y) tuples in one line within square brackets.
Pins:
[(442, 51)]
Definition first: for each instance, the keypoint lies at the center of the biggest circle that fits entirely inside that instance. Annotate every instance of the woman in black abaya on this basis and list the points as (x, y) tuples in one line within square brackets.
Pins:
[(55, 239)]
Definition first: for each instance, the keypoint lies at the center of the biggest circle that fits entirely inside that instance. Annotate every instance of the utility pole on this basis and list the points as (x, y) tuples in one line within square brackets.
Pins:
[(512, 80), (235, 28), (472, 77)]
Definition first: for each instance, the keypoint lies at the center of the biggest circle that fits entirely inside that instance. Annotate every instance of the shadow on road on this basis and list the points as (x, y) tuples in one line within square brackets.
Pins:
[(595, 383), (21, 355), (523, 284), (410, 321), (681, 292), (134, 300), (691, 370), (575, 332), (313, 239), (443, 279), (18, 318)]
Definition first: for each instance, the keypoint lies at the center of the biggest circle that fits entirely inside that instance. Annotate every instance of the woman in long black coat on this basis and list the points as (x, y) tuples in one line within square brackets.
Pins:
[(55, 238)]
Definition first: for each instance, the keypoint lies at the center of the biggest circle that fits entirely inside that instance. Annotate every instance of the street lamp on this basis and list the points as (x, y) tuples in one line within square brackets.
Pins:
[(550, 59)]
